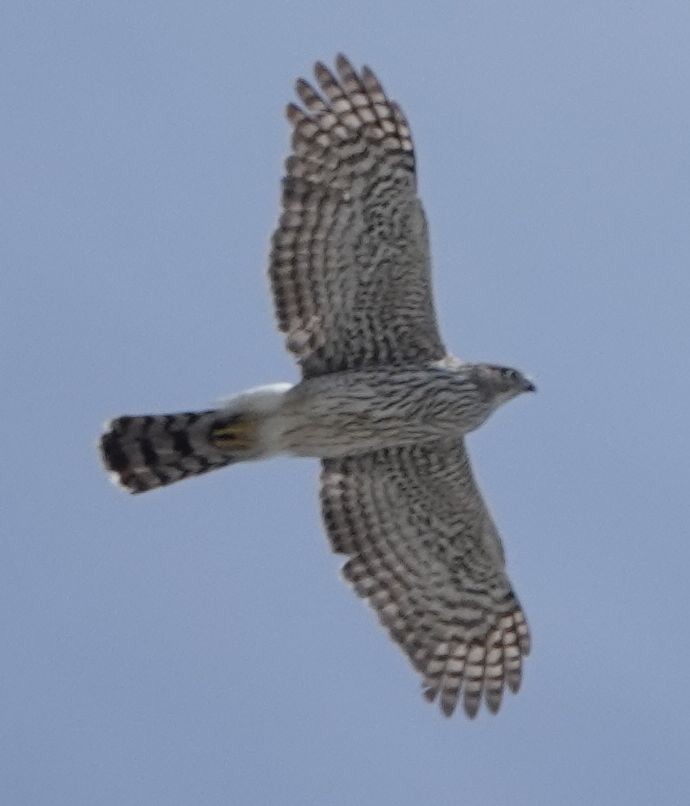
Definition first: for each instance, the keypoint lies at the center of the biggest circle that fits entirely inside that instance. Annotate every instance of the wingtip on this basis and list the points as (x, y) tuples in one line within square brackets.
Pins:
[(342, 62), (321, 70)]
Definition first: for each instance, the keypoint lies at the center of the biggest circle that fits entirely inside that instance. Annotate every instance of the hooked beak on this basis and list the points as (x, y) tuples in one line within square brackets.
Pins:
[(529, 386)]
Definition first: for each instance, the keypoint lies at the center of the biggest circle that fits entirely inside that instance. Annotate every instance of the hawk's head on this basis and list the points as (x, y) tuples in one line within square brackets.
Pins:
[(501, 383)]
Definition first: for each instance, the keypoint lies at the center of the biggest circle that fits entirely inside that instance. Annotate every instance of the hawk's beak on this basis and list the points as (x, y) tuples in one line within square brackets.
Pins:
[(529, 386)]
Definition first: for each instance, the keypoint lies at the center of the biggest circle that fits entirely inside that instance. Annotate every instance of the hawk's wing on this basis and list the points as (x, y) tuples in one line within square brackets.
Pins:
[(423, 549), (350, 258)]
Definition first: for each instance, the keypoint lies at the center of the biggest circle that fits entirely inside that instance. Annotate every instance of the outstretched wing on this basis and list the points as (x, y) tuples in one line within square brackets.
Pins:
[(424, 551), (350, 258)]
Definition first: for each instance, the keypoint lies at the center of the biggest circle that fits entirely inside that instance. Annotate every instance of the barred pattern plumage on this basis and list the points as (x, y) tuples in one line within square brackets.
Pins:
[(381, 402), (151, 451), (432, 569), (350, 260)]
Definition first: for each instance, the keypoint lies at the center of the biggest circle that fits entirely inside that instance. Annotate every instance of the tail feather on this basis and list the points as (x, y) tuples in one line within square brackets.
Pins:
[(153, 450)]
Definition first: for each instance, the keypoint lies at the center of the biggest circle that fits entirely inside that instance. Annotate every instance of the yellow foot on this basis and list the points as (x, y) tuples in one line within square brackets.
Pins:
[(236, 435)]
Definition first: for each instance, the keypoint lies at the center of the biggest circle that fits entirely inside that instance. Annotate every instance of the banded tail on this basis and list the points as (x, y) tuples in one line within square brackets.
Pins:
[(153, 450)]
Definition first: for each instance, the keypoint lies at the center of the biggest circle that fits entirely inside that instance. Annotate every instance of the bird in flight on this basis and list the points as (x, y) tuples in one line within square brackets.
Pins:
[(381, 402)]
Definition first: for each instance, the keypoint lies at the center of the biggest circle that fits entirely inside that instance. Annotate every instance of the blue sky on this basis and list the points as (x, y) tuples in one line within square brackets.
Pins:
[(197, 645)]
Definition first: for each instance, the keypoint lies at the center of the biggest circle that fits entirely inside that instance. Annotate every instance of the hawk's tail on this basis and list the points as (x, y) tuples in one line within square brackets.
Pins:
[(153, 450)]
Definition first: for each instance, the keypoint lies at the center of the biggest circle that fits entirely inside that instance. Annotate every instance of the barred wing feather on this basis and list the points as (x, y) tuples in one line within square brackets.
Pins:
[(349, 264), (424, 551)]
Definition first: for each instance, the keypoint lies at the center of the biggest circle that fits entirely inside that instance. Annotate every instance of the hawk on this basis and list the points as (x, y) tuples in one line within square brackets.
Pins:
[(381, 403)]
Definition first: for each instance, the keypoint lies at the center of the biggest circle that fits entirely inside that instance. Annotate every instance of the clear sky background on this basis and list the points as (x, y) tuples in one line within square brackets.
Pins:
[(196, 645)]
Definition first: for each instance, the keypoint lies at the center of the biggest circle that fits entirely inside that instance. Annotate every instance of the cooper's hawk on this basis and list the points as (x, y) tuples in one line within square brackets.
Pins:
[(380, 402)]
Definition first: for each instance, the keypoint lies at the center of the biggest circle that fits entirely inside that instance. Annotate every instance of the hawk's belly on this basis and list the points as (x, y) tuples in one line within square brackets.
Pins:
[(364, 410)]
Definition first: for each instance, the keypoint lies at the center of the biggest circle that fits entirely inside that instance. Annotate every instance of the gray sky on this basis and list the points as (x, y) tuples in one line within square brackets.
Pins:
[(196, 645)]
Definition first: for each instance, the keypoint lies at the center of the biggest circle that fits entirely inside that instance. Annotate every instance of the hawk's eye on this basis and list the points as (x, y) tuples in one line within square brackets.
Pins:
[(510, 374)]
